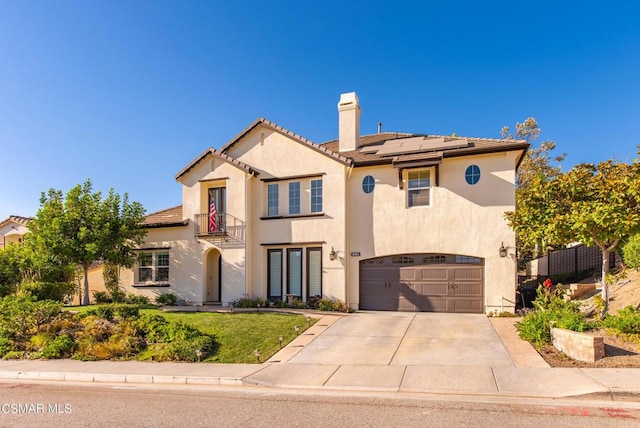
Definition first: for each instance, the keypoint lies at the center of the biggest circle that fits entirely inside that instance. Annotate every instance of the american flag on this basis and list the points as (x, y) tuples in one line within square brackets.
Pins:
[(213, 224)]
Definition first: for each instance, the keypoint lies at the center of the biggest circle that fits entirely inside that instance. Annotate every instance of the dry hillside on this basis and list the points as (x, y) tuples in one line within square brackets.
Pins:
[(625, 292)]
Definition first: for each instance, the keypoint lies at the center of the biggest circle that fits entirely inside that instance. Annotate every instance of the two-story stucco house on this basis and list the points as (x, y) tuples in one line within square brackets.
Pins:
[(389, 221)]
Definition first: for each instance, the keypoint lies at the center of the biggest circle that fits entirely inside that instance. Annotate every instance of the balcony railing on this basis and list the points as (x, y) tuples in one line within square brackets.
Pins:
[(221, 225)]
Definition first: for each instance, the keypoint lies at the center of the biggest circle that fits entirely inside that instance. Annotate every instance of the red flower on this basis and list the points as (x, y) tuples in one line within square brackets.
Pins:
[(547, 283)]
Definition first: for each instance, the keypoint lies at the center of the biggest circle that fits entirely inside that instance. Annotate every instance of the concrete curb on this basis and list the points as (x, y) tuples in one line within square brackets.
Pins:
[(121, 378)]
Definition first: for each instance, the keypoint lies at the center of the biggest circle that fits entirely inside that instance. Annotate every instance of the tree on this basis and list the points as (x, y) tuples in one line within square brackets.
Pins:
[(536, 164), (22, 268), (537, 160), (596, 205), (81, 227)]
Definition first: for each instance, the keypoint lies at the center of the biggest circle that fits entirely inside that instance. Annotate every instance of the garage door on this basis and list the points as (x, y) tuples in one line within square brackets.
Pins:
[(422, 282)]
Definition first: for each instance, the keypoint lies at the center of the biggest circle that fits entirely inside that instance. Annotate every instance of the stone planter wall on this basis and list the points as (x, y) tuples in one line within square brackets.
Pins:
[(579, 346)]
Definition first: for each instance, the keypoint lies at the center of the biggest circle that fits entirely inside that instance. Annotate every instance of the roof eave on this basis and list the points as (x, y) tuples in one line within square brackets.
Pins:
[(172, 224)]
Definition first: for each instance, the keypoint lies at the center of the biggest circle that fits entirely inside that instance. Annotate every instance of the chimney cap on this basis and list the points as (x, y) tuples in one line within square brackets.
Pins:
[(348, 100)]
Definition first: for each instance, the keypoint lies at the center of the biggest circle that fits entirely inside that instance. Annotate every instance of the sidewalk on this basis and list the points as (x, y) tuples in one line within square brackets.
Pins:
[(528, 377)]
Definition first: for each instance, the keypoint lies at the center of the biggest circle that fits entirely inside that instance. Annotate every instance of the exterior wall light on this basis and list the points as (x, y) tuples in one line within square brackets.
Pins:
[(503, 250), (332, 254)]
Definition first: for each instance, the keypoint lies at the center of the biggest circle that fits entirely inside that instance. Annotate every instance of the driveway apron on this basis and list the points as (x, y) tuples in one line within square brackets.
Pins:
[(407, 339)]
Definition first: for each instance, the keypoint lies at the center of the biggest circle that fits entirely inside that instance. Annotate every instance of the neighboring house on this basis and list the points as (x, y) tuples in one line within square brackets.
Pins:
[(390, 221), (13, 229)]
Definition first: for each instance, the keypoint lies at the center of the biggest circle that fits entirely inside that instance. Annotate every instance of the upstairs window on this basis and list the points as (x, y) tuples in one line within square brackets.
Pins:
[(294, 197), (316, 196), (272, 200), (419, 188)]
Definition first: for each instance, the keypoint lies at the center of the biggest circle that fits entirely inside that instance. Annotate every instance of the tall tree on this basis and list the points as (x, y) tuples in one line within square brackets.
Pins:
[(596, 205), (538, 163), (81, 227)]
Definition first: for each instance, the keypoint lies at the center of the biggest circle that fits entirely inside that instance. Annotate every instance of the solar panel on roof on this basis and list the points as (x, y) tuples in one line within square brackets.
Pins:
[(418, 145)]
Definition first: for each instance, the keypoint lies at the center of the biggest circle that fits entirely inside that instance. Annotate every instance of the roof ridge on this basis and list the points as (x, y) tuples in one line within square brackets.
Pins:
[(476, 138)]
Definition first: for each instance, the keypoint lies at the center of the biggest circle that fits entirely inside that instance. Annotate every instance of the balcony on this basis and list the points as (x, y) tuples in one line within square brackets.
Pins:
[(225, 226)]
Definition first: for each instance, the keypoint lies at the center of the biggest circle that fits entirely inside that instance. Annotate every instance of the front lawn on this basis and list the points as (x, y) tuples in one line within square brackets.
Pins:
[(240, 334), (32, 329)]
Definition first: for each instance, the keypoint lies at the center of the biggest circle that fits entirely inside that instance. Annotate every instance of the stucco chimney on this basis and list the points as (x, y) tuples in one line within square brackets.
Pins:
[(348, 122)]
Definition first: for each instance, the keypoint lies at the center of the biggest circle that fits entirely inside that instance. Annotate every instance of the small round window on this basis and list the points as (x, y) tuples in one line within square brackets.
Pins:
[(368, 183), (472, 175)]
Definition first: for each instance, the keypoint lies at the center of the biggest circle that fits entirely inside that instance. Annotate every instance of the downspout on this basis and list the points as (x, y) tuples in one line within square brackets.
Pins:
[(247, 265), (347, 258)]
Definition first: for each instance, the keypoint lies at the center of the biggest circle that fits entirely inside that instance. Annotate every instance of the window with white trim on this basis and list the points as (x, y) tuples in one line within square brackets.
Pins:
[(419, 188), (316, 196), (294, 197), (153, 266), (272, 199)]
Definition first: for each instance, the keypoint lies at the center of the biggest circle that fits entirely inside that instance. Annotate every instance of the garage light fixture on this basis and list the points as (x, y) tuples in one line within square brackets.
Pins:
[(503, 250), (333, 254)]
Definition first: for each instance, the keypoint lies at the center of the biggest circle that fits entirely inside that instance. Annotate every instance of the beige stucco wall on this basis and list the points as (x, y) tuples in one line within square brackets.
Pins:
[(96, 283), (462, 219), (277, 155)]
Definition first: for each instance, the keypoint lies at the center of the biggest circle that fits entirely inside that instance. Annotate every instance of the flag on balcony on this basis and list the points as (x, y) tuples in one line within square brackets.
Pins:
[(213, 224)]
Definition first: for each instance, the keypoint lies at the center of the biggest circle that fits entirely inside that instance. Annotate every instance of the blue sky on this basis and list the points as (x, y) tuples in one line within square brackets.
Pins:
[(128, 92)]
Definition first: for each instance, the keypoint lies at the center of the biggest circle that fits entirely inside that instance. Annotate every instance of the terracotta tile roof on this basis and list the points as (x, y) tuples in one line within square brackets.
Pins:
[(366, 153), (166, 218), (262, 121), (219, 155), (17, 219)]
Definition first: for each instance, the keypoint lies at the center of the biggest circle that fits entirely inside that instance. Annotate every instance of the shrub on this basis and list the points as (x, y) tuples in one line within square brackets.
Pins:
[(549, 307), (135, 299), (247, 302), (118, 296), (191, 350), (13, 355), (152, 327), (166, 299), (110, 275), (57, 291), (60, 347), (6, 345), (332, 305), (631, 252), (22, 316), (96, 328), (101, 311), (125, 311), (627, 321), (102, 297)]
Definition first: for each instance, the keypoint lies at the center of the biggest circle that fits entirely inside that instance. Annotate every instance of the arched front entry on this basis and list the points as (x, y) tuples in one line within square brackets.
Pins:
[(422, 282), (213, 278)]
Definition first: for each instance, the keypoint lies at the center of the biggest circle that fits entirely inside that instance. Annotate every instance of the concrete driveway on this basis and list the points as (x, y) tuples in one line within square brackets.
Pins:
[(407, 339)]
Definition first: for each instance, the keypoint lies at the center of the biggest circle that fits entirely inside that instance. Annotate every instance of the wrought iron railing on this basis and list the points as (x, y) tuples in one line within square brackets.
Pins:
[(222, 224)]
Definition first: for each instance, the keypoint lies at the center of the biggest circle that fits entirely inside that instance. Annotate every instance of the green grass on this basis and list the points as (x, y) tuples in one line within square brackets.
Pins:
[(238, 334)]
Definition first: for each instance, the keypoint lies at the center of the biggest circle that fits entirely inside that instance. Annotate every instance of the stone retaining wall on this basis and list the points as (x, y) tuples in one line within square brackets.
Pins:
[(579, 346)]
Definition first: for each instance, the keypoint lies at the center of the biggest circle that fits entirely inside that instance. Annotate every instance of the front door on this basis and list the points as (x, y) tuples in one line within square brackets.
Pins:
[(214, 276)]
